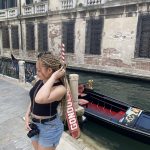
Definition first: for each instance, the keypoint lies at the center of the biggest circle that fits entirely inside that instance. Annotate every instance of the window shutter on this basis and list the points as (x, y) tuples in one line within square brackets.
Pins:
[(143, 37), (42, 37), (138, 36), (30, 41), (68, 35), (29, 2), (1, 4), (94, 36), (5, 37), (11, 3), (14, 37)]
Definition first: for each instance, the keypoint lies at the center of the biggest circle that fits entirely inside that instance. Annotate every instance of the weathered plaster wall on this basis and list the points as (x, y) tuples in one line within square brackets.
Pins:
[(80, 27), (118, 38), (54, 5), (54, 37), (119, 42), (117, 50)]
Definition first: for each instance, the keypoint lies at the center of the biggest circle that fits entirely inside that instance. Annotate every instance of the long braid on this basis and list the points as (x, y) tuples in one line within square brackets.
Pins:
[(49, 60)]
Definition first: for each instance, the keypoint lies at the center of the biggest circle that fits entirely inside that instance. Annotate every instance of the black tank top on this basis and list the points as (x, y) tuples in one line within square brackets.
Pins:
[(48, 109)]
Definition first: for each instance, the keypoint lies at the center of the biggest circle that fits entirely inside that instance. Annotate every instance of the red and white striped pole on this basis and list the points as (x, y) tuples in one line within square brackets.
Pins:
[(70, 112), (63, 53)]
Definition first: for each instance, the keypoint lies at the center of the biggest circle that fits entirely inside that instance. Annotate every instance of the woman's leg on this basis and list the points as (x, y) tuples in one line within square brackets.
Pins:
[(35, 145), (47, 148)]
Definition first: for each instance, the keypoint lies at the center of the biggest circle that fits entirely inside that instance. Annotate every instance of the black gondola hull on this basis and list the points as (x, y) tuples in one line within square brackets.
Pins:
[(138, 127), (119, 129)]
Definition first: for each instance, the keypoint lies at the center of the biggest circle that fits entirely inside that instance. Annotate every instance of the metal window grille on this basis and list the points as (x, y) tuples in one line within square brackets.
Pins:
[(68, 36), (15, 37), (143, 37), (8, 68), (93, 36), (30, 71), (30, 40), (42, 37), (5, 37)]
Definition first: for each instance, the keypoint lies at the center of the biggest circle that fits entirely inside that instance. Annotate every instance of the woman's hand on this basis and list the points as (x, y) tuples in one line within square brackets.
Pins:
[(59, 73), (27, 122)]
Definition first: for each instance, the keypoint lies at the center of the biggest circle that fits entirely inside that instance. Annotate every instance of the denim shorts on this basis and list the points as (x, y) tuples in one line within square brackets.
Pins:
[(50, 133)]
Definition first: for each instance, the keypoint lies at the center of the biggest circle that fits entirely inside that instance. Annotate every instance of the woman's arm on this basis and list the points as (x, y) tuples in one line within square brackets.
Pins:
[(27, 117), (28, 110), (48, 93)]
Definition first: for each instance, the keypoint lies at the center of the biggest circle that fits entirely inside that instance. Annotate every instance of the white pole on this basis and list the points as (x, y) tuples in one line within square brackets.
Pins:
[(73, 78), (21, 71)]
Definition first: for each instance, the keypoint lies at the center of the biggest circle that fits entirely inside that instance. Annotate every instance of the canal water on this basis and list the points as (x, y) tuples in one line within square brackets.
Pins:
[(132, 91)]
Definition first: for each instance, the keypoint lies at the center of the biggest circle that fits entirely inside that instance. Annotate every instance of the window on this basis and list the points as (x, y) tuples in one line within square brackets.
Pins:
[(42, 37), (93, 36), (15, 37), (68, 36), (4, 4), (143, 37), (30, 42), (11, 3), (29, 2), (5, 37)]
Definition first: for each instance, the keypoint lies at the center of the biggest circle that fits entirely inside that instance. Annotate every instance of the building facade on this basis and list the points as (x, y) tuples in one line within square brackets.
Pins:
[(110, 36)]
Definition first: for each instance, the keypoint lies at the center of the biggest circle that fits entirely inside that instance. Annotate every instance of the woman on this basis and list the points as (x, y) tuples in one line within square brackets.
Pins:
[(45, 96)]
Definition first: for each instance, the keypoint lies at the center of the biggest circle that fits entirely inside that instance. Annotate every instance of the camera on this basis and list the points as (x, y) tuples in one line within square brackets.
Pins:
[(34, 130)]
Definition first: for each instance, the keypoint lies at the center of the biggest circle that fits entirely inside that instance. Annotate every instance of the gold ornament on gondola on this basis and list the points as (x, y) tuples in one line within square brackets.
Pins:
[(90, 84)]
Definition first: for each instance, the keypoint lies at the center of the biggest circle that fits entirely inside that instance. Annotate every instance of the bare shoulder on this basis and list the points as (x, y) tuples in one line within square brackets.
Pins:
[(61, 87), (58, 92)]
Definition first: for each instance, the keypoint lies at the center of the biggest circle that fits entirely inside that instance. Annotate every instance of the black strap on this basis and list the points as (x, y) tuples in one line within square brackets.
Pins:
[(35, 92), (44, 120)]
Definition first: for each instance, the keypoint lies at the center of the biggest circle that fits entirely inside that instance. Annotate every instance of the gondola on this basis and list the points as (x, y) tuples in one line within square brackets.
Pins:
[(117, 115)]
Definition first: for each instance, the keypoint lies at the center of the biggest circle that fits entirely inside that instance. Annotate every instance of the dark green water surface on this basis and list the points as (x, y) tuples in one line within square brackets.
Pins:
[(132, 91)]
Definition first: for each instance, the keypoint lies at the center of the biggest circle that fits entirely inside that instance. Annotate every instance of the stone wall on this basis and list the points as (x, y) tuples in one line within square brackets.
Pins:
[(118, 36)]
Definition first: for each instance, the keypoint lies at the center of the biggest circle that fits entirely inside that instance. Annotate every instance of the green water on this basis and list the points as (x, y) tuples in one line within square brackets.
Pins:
[(135, 92)]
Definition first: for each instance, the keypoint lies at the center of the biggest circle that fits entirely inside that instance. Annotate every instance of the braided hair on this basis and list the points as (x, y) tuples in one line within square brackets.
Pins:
[(51, 61)]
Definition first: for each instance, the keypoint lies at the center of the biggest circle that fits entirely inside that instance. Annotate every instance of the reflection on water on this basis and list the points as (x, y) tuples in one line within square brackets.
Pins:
[(110, 140), (134, 92)]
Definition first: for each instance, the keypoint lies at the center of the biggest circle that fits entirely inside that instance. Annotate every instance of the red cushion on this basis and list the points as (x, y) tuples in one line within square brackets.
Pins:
[(83, 102)]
